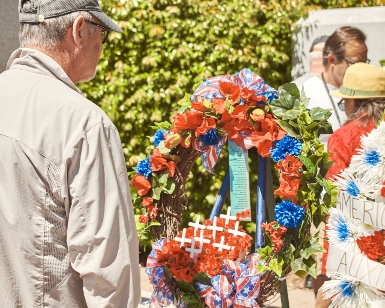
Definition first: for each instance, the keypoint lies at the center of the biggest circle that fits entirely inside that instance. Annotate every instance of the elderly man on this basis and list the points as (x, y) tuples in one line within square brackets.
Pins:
[(343, 48), (68, 236)]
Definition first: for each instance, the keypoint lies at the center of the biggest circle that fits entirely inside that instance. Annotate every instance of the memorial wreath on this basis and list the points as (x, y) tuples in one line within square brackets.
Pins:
[(210, 264)]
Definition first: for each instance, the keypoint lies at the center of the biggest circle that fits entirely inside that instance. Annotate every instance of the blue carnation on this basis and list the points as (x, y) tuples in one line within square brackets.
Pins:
[(210, 138), (352, 188), (287, 145), (288, 214), (372, 157), (159, 136), (144, 167)]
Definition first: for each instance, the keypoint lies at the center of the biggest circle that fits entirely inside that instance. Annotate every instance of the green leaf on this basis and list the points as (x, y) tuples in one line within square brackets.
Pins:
[(288, 128), (163, 178), (308, 163), (230, 108), (290, 88), (320, 114), (314, 247), (186, 287), (156, 191), (162, 125), (265, 252), (202, 278), (276, 265), (185, 101), (304, 100), (262, 268), (169, 188), (167, 273), (302, 267)]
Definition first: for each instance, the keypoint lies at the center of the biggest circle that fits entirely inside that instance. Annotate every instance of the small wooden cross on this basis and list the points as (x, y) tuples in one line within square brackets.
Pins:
[(194, 251), (197, 225), (228, 216), (235, 231), (183, 239), (214, 227), (222, 245)]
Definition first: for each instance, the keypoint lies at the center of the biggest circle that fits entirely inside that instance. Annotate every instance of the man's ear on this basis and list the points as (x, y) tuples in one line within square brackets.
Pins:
[(332, 59), (79, 31)]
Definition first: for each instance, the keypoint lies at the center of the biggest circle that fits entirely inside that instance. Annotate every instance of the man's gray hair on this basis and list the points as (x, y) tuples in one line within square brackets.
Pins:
[(49, 33)]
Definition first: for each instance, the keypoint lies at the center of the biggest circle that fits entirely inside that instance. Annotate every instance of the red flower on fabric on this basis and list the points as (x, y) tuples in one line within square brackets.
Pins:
[(143, 219), (147, 201), (373, 246), (289, 166), (159, 163), (250, 98), (230, 91), (289, 180), (219, 105), (141, 184), (188, 120), (207, 124)]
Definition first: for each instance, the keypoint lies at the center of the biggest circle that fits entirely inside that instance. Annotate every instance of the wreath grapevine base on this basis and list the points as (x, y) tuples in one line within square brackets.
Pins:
[(247, 111)]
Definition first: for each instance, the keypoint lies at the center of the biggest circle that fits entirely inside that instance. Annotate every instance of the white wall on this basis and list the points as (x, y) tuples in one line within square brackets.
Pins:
[(370, 20), (9, 29)]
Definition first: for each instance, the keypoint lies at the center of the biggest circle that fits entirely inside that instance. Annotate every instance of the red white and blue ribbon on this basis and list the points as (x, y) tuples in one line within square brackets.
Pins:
[(210, 154), (238, 288), (163, 295)]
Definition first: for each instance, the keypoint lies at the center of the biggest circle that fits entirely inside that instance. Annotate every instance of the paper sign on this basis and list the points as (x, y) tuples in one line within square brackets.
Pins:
[(361, 268), (239, 182), (371, 213)]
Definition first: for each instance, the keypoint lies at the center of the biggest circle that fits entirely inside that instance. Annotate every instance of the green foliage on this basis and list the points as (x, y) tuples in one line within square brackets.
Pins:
[(169, 46)]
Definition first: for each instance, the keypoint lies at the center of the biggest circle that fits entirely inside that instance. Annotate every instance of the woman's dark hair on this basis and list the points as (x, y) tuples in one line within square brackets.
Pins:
[(335, 44), (367, 110)]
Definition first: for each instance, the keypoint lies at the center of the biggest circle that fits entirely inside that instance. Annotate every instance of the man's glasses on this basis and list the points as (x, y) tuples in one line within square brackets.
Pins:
[(105, 30), (341, 105), (354, 62)]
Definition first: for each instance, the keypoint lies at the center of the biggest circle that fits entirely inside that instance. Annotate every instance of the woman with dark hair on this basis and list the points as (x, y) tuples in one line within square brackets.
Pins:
[(363, 90)]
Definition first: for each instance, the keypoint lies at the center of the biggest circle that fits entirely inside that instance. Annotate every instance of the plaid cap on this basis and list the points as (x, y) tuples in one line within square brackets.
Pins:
[(45, 9)]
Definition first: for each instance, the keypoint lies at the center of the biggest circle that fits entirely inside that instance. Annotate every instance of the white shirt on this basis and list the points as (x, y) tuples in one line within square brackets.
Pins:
[(319, 97)]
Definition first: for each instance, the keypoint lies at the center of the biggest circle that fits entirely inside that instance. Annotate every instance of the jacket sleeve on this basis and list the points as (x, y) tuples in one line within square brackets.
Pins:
[(102, 238)]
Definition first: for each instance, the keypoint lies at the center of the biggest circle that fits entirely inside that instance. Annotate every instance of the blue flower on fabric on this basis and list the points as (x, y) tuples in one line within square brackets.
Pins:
[(372, 158), (287, 145), (347, 288), (270, 95), (352, 188), (144, 168), (210, 138), (159, 136), (288, 214)]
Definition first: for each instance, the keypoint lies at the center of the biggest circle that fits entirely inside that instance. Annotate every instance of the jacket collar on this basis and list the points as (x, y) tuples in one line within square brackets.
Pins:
[(35, 61)]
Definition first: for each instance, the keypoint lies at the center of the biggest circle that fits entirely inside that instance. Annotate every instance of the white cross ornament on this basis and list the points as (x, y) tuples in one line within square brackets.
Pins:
[(183, 239), (197, 225), (194, 251), (214, 227), (235, 231), (201, 239), (222, 245), (228, 217)]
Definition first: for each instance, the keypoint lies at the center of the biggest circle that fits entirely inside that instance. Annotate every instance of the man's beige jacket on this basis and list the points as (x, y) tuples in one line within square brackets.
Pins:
[(67, 230)]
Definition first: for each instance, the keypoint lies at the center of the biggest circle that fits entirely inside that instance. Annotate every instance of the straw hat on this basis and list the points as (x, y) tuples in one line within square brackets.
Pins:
[(362, 80)]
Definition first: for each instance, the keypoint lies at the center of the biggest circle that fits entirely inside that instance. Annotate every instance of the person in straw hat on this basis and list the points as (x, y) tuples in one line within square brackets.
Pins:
[(363, 90)]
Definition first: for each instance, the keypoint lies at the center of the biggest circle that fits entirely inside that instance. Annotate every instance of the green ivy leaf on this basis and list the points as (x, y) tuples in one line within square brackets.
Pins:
[(186, 287), (169, 188), (288, 128), (167, 273), (230, 108), (291, 88), (302, 267), (202, 278), (265, 252), (262, 268), (308, 163), (162, 125), (320, 114), (314, 247), (276, 265), (185, 101)]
